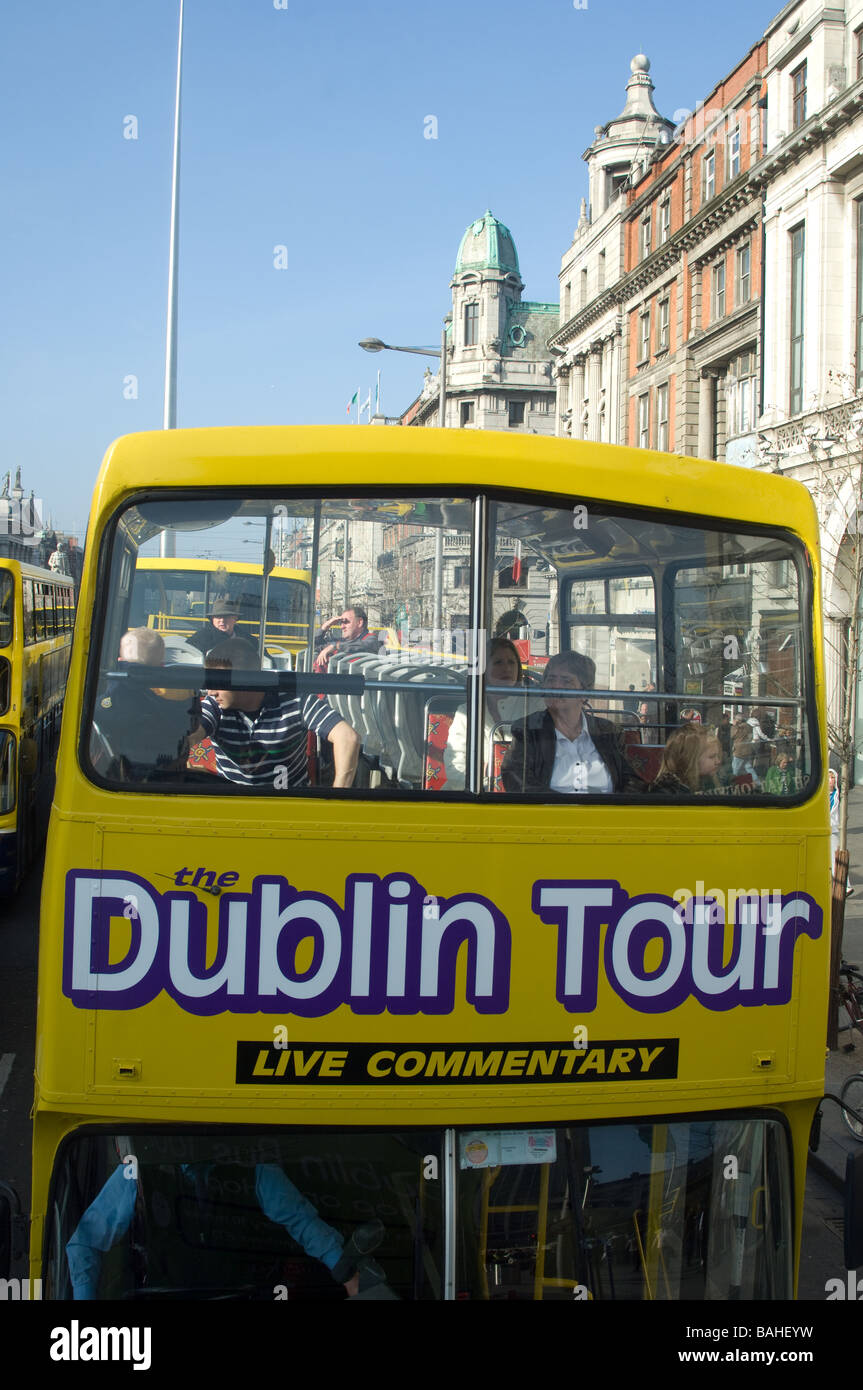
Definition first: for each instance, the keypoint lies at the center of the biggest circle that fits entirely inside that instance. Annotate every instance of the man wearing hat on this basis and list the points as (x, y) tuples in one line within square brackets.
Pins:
[(222, 620)]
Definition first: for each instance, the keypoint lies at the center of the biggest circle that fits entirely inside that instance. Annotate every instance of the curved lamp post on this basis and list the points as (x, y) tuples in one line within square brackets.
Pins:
[(377, 345)]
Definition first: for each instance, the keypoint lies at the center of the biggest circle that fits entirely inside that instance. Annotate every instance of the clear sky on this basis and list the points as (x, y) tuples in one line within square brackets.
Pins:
[(303, 127)]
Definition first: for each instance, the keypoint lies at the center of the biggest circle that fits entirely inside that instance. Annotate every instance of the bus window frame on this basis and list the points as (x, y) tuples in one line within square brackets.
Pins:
[(9, 735), (7, 582), (484, 501)]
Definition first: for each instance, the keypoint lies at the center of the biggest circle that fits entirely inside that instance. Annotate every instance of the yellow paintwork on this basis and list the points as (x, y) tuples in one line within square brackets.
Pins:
[(181, 1067), (38, 677)]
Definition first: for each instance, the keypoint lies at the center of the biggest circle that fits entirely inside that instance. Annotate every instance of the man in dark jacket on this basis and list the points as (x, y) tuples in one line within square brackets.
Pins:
[(221, 621), (353, 624), (566, 748)]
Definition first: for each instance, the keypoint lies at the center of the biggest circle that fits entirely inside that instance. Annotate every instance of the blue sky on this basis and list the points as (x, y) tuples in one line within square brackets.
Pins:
[(302, 127)]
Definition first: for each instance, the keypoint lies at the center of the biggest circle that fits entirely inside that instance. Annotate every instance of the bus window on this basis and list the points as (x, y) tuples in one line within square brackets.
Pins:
[(377, 655), (5, 684), (271, 1210), (625, 1212), (7, 771), (7, 607), (28, 604), (679, 632)]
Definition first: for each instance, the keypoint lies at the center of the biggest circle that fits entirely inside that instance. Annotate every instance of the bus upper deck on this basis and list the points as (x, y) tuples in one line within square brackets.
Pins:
[(518, 1017)]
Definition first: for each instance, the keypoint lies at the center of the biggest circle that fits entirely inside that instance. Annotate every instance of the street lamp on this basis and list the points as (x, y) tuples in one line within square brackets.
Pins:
[(377, 345)]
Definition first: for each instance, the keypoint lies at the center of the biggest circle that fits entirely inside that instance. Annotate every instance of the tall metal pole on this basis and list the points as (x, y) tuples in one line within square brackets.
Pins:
[(437, 609), (168, 545)]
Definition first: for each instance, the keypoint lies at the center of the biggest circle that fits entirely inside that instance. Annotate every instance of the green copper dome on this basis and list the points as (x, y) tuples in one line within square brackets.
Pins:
[(487, 245)]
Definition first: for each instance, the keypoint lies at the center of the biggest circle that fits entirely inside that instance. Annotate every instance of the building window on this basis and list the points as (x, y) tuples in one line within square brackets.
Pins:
[(471, 325), (743, 287), (466, 413), (717, 298), (584, 287), (600, 274), (734, 152), (644, 337), (860, 293), (644, 422), (662, 417), (740, 395), (664, 220), (645, 237), (708, 166), (516, 413), (858, 53), (798, 247), (798, 97), (663, 332), (567, 299), (461, 577)]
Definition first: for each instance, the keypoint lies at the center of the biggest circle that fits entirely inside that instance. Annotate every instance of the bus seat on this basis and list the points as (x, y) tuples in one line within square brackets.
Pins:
[(202, 756), (382, 713), (179, 653), (410, 720), (439, 712), (645, 758)]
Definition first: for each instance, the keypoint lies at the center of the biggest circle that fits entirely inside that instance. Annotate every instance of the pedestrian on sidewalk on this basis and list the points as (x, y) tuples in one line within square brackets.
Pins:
[(833, 795)]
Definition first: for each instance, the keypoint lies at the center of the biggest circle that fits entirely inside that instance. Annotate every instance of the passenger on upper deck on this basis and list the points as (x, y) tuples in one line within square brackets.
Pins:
[(355, 636), (221, 621), (692, 758), (260, 736), (566, 748), (141, 729), (503, 667)]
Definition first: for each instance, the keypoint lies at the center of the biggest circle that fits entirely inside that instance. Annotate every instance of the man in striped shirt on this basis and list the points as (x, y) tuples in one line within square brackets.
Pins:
[(260, 737)]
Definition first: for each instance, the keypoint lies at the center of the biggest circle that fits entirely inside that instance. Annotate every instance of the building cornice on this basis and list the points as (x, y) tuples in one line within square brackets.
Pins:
[(809, 136), (720, 209), (711, 342)]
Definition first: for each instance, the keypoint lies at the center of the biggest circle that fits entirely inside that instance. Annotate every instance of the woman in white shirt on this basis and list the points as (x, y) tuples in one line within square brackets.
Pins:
[(503, 667)]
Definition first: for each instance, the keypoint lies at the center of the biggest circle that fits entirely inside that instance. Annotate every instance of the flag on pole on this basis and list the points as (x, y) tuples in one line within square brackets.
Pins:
[(366, 405), (353, 398), (516, 564)]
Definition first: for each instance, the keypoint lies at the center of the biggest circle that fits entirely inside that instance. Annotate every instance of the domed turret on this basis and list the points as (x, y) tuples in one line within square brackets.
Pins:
[(487, 245), (628, 140)]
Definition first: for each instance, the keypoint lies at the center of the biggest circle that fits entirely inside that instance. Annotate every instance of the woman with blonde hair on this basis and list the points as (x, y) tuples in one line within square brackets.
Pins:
[(692, 758)]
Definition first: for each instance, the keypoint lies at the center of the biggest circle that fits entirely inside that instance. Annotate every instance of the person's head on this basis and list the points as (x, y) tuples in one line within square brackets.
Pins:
[(568, 671), (832, 780), (223, 616), (503, 663), (781, 759), (142, 645), (235, 654), (690, 754), (354, 623)]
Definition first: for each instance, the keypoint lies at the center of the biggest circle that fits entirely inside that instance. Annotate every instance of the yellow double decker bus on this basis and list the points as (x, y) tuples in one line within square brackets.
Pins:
[(469, 971), (37, 614)]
